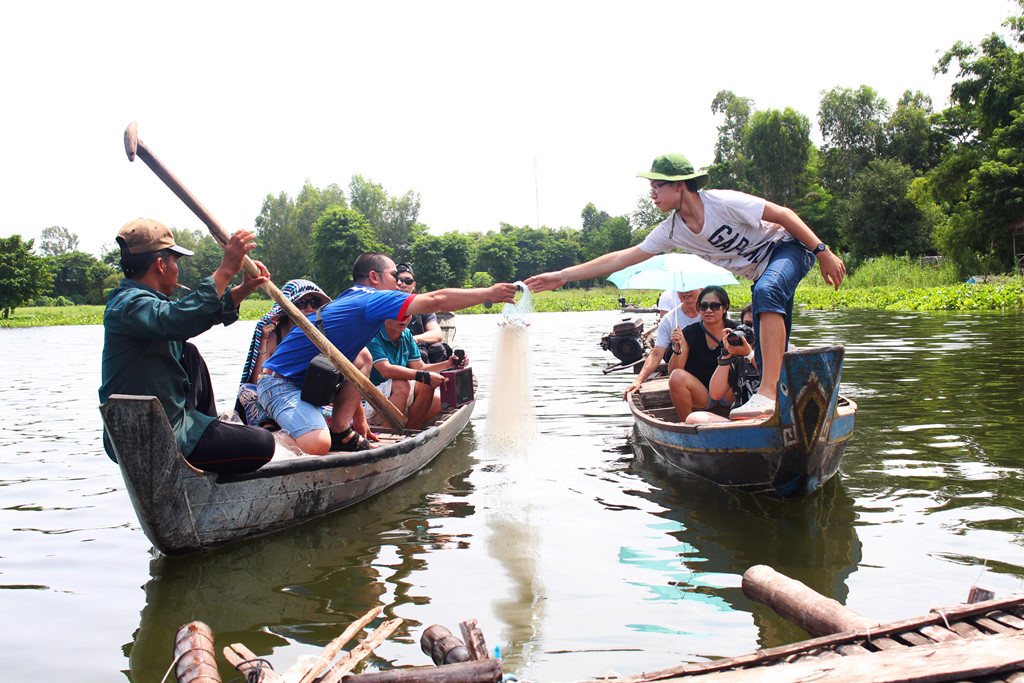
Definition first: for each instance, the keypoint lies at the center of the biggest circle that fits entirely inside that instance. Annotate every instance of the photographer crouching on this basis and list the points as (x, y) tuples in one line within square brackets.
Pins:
[(736, 378)]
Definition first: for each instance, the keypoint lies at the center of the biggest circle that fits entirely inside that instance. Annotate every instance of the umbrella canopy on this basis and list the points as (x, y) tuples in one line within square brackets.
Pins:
[(677, 272)]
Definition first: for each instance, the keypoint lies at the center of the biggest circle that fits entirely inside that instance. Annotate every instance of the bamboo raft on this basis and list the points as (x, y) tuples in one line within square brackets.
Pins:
[(981, 641)]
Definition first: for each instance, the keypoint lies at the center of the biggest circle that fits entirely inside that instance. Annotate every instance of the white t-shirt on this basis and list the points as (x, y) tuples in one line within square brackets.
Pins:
[(673, 319), (668, 300), (733, 235)]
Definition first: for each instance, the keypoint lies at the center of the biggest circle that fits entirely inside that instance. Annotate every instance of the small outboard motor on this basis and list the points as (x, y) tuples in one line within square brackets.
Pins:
[(625, 340)]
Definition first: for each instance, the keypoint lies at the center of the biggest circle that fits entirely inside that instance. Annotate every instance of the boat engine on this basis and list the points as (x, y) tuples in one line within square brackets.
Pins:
[(625, 340)]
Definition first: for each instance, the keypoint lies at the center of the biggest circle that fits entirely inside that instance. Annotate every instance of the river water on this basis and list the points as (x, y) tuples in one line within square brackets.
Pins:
[(578, 554)]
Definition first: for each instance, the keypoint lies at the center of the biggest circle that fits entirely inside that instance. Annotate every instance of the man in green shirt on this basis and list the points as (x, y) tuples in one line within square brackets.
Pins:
[(145, 351)]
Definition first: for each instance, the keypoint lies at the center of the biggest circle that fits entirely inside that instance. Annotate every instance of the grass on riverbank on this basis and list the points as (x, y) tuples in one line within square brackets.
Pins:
[(888, 283)]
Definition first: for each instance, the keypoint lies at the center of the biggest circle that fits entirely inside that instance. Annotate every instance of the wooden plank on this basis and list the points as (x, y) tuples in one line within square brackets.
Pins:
[(965, 629), (243, 659), (311, 670), (1011, 620), (360, 652), (940, 634), (483, 671), (948, 661), (854, 650), (880, 636), (914, 638), (993, 625), (474, 639)]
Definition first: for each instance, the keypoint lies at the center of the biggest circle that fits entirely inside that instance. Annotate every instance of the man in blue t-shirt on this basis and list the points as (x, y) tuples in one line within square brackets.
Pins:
[(350, 322), (398, 365)]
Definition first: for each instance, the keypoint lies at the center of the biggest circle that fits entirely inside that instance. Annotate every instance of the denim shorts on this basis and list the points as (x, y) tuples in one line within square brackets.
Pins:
[(282, 399), (773, 292)]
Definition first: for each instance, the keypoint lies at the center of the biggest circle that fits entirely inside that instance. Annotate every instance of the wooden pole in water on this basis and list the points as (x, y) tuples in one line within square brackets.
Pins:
[(194, 660), (805, 607)]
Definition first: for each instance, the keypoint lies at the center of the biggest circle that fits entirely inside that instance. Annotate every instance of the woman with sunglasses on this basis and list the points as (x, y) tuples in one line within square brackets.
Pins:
[(270, 330), (697, 348)]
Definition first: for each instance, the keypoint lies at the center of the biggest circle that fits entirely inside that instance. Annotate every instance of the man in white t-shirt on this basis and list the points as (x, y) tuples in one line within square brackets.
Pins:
[(747, 235), (670, 299)]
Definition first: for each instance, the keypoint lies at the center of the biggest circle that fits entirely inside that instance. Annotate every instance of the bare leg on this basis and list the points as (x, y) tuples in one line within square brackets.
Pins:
[(686, 391), (773, 345), (348, 409), (426, 403)]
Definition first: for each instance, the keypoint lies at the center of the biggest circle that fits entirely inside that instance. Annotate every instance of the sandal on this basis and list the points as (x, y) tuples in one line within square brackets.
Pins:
[(349, 440)]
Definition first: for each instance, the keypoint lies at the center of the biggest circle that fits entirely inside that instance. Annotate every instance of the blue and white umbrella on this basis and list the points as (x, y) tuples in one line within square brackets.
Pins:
[(676, 272)]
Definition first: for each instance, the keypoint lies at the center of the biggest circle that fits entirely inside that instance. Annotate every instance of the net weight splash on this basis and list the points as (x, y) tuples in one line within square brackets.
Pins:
[(510, 424)]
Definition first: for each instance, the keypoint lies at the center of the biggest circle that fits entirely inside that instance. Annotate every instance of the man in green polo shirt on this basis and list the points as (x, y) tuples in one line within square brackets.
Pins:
[(145, 351)]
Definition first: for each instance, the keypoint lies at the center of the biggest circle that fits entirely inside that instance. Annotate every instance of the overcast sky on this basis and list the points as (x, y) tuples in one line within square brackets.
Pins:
[(509, 112)]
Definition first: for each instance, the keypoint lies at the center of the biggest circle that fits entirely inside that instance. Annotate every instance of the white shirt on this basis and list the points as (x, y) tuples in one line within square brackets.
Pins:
[(673, 319), (733, 235)]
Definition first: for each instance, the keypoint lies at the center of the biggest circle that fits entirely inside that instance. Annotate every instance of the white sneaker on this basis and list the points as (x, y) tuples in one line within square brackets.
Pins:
[(757, 406)]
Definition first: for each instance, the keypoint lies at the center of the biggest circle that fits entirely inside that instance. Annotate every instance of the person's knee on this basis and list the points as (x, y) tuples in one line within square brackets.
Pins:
[(364, 361), (316, 442)]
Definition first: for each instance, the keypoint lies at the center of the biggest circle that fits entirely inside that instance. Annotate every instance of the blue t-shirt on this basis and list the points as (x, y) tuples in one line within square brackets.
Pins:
[(398, 352), (350, 321)]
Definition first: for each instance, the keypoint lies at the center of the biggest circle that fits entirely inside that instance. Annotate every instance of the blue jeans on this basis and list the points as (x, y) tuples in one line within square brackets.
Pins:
[(283, 401), (773, 292)]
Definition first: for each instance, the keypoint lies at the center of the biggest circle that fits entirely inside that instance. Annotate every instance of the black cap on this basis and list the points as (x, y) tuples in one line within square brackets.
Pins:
[(405, 268)]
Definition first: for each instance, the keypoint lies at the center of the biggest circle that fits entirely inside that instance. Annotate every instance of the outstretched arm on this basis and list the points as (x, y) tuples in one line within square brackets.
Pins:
[(833, 270), (602, 265), (457, 299)]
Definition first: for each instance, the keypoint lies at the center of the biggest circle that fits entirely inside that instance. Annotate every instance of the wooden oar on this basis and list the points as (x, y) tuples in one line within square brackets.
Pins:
[(135, 147)]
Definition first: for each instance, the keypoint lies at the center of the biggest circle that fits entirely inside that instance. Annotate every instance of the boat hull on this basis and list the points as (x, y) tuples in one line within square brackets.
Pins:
[(789, 455), (183, 510)]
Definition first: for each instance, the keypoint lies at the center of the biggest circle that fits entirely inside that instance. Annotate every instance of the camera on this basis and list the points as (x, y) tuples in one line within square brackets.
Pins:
[(738, 333)]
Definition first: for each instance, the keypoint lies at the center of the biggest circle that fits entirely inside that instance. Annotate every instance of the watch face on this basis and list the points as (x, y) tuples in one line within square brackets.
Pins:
[(820, 248)]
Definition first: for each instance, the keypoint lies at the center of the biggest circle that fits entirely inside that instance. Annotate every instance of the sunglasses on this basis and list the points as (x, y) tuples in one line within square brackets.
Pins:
[(705, 305), (657, 186), (406, 280), (307, 302)]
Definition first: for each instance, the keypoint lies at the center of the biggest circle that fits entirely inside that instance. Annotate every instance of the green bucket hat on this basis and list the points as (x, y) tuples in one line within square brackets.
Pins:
[(674, 167)]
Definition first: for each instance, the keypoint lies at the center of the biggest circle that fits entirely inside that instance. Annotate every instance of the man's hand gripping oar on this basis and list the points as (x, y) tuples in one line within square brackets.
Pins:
[(135, 147)]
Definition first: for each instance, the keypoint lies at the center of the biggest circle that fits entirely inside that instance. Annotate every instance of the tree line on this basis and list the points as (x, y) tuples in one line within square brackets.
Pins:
[(903, 180)]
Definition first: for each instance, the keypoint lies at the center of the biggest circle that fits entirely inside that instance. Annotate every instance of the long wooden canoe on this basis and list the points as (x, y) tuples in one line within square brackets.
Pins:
[(184, 510), (790, 454)]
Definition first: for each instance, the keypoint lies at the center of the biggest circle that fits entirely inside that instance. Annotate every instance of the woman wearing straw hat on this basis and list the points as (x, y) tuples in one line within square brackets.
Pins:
[(747, 235)]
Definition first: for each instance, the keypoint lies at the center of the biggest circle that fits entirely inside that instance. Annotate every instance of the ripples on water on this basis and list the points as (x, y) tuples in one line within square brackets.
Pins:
[(578, 555)]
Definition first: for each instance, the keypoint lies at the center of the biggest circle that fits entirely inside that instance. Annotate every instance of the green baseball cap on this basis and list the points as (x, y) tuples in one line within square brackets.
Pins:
[(674, 167)]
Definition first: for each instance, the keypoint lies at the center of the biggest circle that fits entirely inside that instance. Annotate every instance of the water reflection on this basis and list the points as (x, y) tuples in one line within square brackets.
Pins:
[(307, 584), (721, 534)]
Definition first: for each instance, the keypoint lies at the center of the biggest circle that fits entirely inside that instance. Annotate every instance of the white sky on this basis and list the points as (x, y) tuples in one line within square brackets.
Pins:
[(480, 107)]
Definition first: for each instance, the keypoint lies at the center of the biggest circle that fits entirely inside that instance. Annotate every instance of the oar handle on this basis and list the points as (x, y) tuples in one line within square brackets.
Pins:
[(134, 146)]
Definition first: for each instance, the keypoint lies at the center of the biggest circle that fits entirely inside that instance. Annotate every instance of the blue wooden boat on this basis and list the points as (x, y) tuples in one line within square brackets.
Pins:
[(790, 455)]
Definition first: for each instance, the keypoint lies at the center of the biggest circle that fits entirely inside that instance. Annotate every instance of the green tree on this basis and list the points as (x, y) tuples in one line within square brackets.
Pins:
[(497, 255), (881, 218), (852, 124), (56, 240), (24, 276), (432, 269), (78, 276), (458, 255), (731, 166), (208, 254), (911, 138), (644, 217), (394, 219), (778, 144), (339, 237)]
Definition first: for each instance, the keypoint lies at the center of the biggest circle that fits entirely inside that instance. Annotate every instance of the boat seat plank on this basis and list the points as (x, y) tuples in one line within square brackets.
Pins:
[(852, 649), (887, 644)]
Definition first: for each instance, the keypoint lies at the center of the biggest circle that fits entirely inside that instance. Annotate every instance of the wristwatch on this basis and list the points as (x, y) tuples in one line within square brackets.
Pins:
[(820, 248)]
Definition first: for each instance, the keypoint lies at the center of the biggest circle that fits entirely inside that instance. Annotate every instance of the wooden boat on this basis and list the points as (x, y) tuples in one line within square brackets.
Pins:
[(184, 510), (790, 454)]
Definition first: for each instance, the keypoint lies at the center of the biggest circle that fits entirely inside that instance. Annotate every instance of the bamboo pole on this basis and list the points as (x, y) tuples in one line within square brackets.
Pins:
[(194, 660), (483, 671), (134, 146), (442, 647), (804, 606)]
